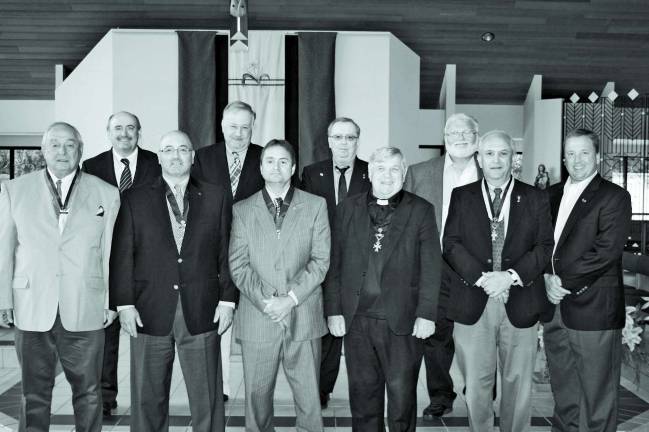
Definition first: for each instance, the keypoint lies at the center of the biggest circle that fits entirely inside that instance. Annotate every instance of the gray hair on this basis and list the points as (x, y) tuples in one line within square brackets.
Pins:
[(343, 120), (240, 106), (463, 118), (137, 120), (177, 134), (383, 153), (497, 134), (75, 132)]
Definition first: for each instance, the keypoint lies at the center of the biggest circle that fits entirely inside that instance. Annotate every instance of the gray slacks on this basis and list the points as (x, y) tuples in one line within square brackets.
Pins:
[(81, 355), (152, 359), (584, 376), (479, 347), (301, 363)]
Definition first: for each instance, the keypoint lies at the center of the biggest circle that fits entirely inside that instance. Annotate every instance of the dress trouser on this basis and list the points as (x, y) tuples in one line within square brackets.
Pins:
[(476, 348), (438, 356), (332, 347), (584, 376), (301, 363), (80, 354), (152, 359), (377, 358), (109, 368)]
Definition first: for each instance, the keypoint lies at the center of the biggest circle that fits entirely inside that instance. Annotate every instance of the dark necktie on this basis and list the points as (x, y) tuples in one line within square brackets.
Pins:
[(58, 190), (235, 172), (278, 210), (342, 184), (497, 231), (125, 181)]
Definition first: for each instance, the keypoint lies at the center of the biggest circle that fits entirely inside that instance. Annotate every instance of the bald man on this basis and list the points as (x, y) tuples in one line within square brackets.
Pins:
[(170, 283)]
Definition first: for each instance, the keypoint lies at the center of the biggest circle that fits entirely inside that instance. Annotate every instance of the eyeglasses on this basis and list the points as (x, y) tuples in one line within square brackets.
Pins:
[(171, 150), (348, 138), (460, 134)]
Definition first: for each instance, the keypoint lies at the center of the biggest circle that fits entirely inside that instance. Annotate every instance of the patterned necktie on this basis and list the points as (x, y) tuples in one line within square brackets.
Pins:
[(59, 191), (125, 181), (342, 184), (235, 172), (180, 199), (497, 232), (278, 211)]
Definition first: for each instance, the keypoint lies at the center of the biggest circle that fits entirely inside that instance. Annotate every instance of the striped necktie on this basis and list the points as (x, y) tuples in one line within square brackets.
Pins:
[(125, 181), (235, 172)]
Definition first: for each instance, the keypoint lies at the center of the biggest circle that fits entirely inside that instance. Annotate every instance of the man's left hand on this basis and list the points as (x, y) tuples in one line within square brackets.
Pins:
[(277, 308), (495, 283), (223, 315), (423, 328), (109, 317)]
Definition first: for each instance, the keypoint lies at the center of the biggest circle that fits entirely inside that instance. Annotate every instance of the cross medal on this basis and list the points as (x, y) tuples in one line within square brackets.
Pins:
[(494, 233), (379, 236)]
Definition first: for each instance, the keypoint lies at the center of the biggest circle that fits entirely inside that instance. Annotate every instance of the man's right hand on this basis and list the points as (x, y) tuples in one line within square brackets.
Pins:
[(553, 289), (129, 318), (336, 324), (6, 317)]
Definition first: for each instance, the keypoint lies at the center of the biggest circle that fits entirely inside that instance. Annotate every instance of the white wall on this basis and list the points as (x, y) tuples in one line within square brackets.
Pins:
[(362, 86), (534, 94), (85, 98), (145, 80), (25, 117), (548, 135), (504, 117)]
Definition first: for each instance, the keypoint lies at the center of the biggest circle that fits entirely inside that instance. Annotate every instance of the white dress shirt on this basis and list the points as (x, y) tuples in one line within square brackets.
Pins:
[(348, 177), (451, 179), (571, 193), (230, 156), (119, 166), (66, 183)]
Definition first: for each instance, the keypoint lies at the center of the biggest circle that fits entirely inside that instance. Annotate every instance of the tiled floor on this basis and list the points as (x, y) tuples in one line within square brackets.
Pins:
[(634, 408)]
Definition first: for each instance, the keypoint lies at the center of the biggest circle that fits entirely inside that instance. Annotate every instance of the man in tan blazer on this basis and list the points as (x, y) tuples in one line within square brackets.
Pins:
[(279, 255), (54, 249)]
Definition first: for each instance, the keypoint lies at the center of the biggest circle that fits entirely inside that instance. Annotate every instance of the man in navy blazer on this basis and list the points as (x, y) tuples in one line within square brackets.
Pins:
[(334, 179), (125, 165), (497, 243), (583, 340)]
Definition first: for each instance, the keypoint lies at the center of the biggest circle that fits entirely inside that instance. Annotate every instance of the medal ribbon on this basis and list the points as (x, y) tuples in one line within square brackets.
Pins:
[(61, 207), (174, 204), (495, 216)]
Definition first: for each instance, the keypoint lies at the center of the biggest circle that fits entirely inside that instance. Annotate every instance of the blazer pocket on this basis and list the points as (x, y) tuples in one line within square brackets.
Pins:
[(20, 283), (95, 283)]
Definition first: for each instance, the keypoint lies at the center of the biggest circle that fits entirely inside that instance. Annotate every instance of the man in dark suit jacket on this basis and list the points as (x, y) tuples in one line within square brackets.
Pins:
[(583, 341), (334, 179), (497, 242), (434, 180), (133, 166), (234, 165), (382, 293), (169, 276)]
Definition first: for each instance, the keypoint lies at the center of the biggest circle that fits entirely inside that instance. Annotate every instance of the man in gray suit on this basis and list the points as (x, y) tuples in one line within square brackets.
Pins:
[(434, 181), (279, 255), (55, 238)]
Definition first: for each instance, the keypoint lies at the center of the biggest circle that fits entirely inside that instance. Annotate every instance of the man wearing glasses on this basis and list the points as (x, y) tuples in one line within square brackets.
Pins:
[(334, 179), (434, 180), (170, 283)]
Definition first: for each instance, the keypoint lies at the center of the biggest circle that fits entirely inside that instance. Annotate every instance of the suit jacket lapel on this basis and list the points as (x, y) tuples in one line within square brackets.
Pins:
[(397, 225), (581, 207), (160, 211), (246, 171), (361, 225), (142, 167), (47, 202), (291, 218), (327, 181), (359, 176), (479, 212), (515, 212), (264, 218), (195, 206), (109, 167), (78, 200)]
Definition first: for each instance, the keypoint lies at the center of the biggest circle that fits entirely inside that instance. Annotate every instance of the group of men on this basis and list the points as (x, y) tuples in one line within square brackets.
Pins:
[(450, 257)]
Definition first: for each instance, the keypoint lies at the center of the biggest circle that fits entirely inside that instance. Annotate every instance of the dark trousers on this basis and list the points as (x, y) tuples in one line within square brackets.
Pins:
[(584, 376), (438, 356), (377, 358), (80, 354), (330, 362), (109, 369), (152, 359)]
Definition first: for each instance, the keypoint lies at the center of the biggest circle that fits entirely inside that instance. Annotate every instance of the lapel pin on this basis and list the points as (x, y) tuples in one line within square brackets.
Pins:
[(100, 211), (363, 176), (321, 175), (584, 200), (518, 198)]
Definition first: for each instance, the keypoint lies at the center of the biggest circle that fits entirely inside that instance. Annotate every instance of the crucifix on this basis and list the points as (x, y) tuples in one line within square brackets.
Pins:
[(239, 25)]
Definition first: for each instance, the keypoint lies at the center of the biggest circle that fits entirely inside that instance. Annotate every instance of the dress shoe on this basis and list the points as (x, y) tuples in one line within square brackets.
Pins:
[(436, 410), (225, 397), (324, 400), (107, 408)]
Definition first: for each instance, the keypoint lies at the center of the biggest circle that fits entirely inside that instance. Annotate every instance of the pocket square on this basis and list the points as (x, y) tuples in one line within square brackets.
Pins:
[(100, 211)]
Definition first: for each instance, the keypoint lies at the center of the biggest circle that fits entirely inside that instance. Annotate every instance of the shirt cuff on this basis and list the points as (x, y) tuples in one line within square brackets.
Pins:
[(227, 303), (292, 295), (515, 277), (479, 281), (124, 307)]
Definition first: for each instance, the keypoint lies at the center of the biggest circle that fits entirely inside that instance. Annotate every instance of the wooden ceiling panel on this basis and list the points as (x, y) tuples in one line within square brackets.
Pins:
[(577, 45)]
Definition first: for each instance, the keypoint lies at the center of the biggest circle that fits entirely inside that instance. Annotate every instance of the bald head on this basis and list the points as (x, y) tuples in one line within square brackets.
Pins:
[(176, 154)]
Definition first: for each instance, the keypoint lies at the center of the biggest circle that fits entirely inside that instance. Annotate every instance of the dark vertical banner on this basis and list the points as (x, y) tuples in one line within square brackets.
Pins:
[(202, 85), (316, 95), (291, 99)]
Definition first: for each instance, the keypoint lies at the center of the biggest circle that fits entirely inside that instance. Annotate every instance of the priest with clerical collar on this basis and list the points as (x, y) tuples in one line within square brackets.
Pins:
[(383, 291)]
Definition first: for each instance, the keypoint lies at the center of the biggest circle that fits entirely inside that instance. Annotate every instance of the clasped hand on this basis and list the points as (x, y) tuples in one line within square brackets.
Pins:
[(553, 289), (277, 308), (496, 284)]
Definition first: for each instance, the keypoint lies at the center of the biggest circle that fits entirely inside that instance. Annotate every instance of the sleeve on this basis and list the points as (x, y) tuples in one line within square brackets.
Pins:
[(430, 266), (332, 292), (229, 292), (8, 241), (122, 256)]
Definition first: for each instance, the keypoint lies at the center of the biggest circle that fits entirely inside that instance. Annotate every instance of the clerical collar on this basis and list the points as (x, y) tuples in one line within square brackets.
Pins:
[(393, 201)]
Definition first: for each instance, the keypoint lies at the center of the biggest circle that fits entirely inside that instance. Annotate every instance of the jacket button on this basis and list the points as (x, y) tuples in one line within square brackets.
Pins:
[(180, 260), (364, 273), (489, 260), (175, 287)]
